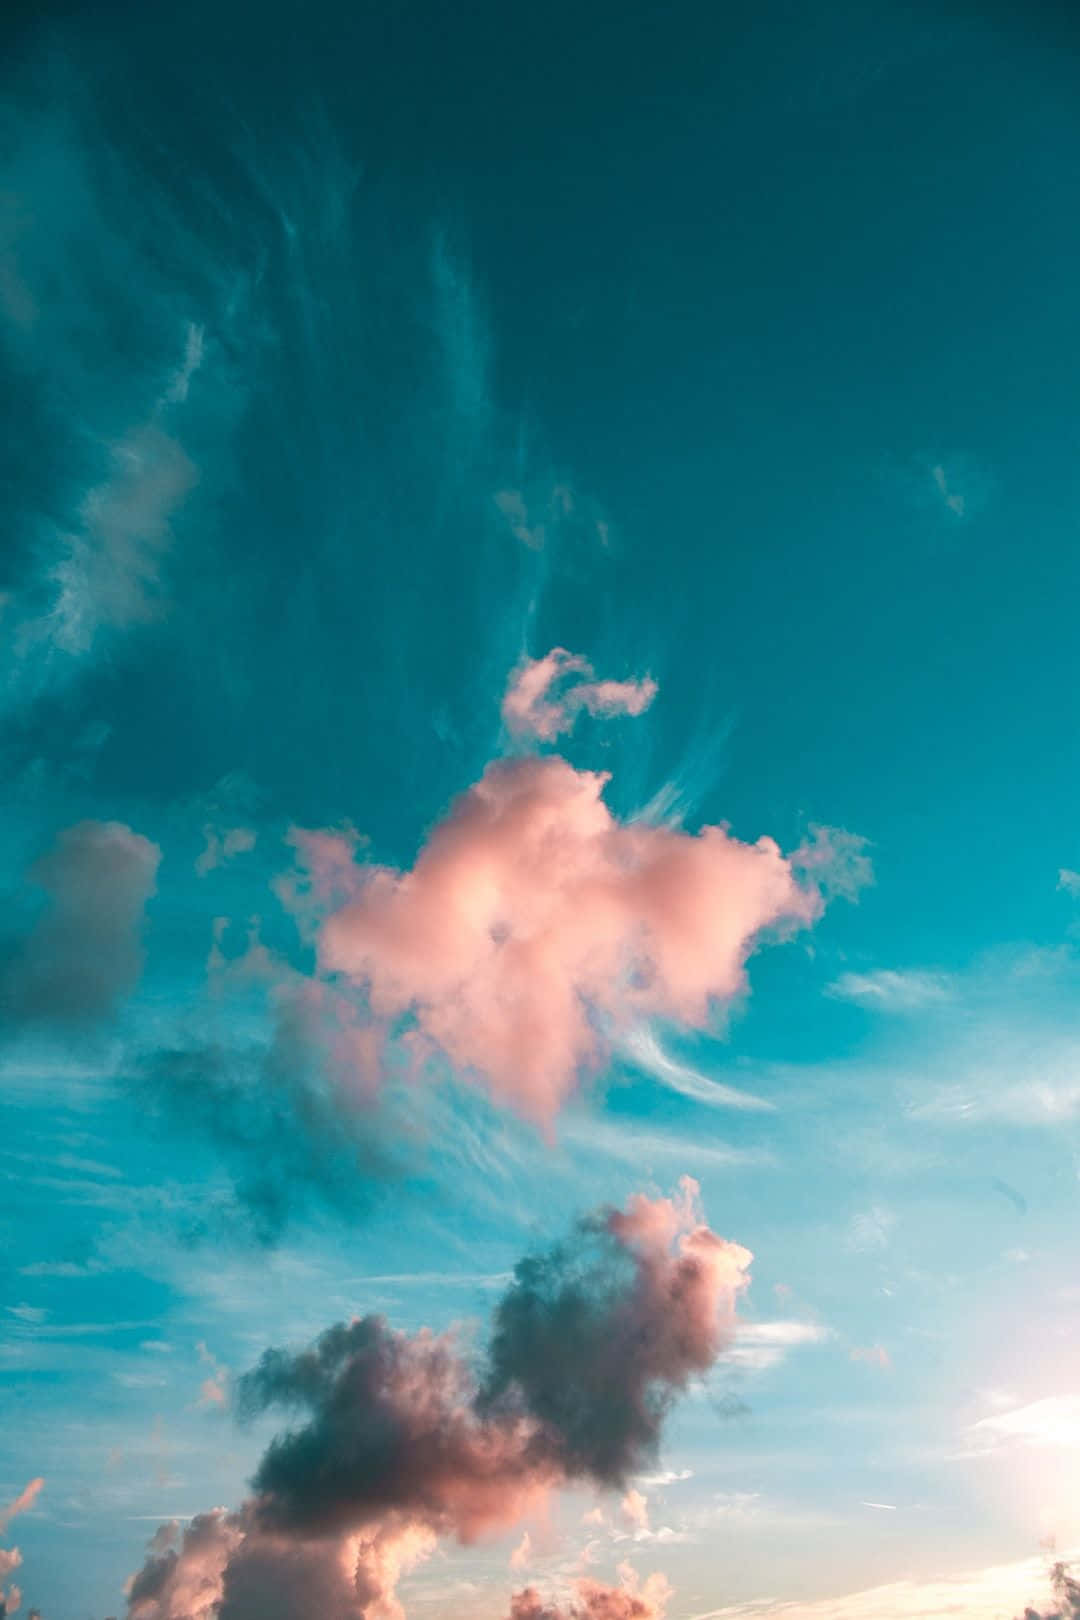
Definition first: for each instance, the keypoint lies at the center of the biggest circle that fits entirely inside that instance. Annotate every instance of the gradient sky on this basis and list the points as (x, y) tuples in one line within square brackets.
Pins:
[(356, 359)]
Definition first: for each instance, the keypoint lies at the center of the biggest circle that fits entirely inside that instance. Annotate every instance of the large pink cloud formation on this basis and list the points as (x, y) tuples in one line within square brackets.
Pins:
[(535, 927), (404, 1442), (544, 696)]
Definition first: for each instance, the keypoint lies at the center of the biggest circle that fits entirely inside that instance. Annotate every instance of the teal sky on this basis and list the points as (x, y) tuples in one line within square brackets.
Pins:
[(355, 359)]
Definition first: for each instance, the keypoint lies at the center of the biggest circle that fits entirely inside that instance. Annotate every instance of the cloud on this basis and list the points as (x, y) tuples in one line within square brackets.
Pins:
[(11, 1557), (874, 1356), (892, 991), (181, 1578), (594, 1601), (544, 696), (647, 1053), (871, 1230), (985, 1594), (84, 954), (542, 514), (1053, 1422), (1066, 1593), (598, 1351), (534, 927), (289, 1140), (213, 1389), (21, 1504), (109, 574), (396, 1440), (222, 845), (1069, 881), (634, 1508), (514, 508), (951, 498), (764, 1344)]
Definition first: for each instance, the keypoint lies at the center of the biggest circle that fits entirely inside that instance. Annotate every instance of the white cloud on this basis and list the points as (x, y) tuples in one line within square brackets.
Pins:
[(987, 1594), (951, 498), (763, 1344), (647, 1053), (871, 1230), (644, 1148), (892, 991), (1053, 1421)]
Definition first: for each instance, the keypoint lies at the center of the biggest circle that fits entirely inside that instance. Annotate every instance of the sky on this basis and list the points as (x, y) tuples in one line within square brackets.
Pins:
[(540, 963)]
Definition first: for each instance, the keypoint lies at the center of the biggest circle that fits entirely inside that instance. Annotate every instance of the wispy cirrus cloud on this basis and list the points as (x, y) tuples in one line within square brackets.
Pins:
[(891, 990), (647, 1053), (1053, 1421), (980, 1594), (760, 1345)]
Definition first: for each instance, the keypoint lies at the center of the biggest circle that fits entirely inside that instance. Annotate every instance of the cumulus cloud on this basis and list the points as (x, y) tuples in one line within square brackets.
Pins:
[(535, 929), (544, 696), (397, 1441), (84, 953), (592, 1600), (598, 1336)]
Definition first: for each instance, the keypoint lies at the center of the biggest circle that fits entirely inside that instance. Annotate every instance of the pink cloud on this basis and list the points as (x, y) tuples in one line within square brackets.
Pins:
[(401, 1443), (544, 696), (874, 1355), (22, 1503), (534, 928), (595, 1601), (635, 1509), (11, 1557)]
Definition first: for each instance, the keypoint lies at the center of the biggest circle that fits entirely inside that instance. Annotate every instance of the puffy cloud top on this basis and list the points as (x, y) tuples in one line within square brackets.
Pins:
[(534, 926)]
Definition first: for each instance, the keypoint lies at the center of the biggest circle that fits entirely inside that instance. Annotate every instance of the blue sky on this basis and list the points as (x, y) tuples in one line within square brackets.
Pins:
[(355, 359)]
